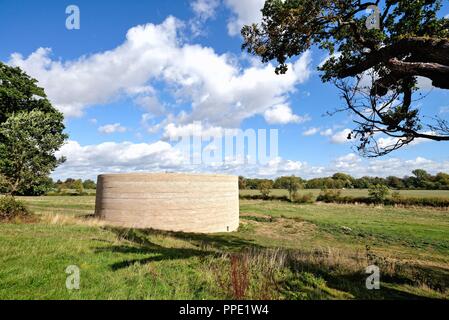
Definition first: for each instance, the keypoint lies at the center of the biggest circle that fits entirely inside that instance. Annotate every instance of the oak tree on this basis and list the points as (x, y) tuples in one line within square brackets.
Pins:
[(377, 69)]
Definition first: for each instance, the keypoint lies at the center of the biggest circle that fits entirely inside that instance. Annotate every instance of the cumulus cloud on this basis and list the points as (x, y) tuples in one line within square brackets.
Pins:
[(310, 132), (112, 128), (205, 9), (196, 129), (326, 133), (283, 114), (341, 137), (349, 161), (90, 160), (244, 13), (218, 90), (99, 78)]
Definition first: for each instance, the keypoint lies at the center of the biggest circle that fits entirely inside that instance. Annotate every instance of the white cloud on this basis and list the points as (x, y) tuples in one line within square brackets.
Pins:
[(311, 132), (218, 90), (112, 128), (150, 103), (205, 9), (90, 160), (196, 129), (245, 12), (99, 78), (341, 136), (444, 109), (326, 133), (282, 114), (348, 161)]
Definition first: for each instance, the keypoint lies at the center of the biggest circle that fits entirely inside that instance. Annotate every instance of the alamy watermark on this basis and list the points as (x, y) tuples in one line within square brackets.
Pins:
[(73, 279), (73, 21), (373, 280), (227, 146), (373, 20)]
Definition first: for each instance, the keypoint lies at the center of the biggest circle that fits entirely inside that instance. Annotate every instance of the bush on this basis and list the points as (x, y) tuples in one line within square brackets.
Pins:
[(10, 208), (260, 197), (419, 202), (265, 189), (396, 196), (306, 198), (329, 195), (378, 192)]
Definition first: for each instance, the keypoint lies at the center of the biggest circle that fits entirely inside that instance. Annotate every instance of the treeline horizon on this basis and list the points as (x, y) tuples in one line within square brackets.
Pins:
[(419, 179)]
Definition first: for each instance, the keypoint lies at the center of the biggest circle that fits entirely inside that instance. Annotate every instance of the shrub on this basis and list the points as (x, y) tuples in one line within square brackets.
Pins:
[(395, 196), (329, 195), (260, 197), (10, 208), (265, 189), (306, 198), (378, 192)]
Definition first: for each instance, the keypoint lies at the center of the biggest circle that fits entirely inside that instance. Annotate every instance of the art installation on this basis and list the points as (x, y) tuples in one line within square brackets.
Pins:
[(169, 201)]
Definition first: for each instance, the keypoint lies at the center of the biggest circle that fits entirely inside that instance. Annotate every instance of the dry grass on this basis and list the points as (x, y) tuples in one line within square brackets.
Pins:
[(61, 219)]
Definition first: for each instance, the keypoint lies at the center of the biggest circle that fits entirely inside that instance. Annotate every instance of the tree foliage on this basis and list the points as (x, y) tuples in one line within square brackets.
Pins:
[(31, 131), (420, 180), (265, 188), (376, 69), (378, 192)]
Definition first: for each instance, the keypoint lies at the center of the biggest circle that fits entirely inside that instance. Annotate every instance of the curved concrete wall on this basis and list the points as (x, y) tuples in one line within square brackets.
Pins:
[(167, 201)]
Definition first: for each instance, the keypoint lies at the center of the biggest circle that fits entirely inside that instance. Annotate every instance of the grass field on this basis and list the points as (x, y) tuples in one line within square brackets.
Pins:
[(358, 192), (281, 251)]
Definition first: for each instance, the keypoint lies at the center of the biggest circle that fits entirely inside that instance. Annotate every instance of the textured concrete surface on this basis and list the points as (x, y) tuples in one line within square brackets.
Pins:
[(169, 201)]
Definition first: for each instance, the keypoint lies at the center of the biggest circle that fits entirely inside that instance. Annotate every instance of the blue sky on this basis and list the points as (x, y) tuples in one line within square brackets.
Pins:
[(137, 72)]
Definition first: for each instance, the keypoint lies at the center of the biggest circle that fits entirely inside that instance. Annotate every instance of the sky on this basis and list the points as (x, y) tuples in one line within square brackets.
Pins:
[(138, 73)]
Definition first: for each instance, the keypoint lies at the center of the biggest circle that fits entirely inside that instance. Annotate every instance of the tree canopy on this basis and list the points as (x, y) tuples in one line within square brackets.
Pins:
[(420, 180), (376, 69), (31, 131)]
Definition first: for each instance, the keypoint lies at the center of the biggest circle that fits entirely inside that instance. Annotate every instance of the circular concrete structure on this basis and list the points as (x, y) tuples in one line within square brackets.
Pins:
[(169, 201)]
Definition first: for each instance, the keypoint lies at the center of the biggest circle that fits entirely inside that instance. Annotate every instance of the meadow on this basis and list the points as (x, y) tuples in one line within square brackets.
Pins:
[(357, 193), (281, 251)]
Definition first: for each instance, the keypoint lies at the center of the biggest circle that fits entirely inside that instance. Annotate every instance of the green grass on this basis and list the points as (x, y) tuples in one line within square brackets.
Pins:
[(358, 192), (281, 251)]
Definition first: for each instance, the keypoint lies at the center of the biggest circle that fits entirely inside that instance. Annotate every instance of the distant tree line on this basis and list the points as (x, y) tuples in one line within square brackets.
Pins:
[(75, 184), (420, 180)]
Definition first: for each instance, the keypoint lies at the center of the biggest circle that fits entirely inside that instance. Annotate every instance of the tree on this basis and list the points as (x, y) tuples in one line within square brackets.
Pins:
[(265, 188), (376, 69), (293, 185), (284, 182), (31, 130), (423, 179), (19, 92), (89, 184), (395, 182), (27, 149), (78, 186), (345, 179), (378, 192)]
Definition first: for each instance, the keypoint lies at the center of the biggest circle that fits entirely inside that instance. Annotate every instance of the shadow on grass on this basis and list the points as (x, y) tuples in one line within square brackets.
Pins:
[(150, 243), (354, 282), (205, 245)]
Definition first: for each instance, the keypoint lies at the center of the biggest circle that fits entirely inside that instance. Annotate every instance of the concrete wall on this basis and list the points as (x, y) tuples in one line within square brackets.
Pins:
[(174, 202)]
